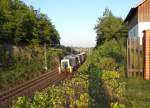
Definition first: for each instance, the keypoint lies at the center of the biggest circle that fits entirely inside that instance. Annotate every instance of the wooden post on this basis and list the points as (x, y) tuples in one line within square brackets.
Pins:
[(127, 58), (143, 43), (139, 49), (146, 47), (134, 53), (130, 55)]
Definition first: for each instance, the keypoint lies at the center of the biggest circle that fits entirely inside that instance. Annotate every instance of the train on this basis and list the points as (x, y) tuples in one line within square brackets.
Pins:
[(71, 62)]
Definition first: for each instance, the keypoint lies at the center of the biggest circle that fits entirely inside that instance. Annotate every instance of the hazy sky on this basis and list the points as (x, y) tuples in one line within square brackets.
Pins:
[(75, 19)]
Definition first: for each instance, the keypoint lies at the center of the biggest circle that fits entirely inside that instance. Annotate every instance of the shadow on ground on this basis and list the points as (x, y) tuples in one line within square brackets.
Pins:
[(95, 89)]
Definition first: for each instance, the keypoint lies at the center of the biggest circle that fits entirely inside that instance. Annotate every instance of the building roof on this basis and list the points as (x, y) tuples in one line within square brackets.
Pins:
[(139, 3), (133, 10)]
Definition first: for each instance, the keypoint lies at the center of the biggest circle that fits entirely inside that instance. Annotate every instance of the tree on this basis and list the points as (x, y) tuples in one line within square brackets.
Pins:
[(109, 27), (21, 24), (2, 20)]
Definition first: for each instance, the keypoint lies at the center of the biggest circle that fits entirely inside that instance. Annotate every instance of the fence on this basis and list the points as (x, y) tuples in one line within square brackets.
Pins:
[(138, 56), (134, 57)]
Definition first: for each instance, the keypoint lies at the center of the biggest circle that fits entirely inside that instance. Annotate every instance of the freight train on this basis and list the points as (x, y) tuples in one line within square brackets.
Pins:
[(71, 62)]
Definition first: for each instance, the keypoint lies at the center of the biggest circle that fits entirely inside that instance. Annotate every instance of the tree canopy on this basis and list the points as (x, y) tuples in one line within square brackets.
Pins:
[(108, 27), (22, 24)]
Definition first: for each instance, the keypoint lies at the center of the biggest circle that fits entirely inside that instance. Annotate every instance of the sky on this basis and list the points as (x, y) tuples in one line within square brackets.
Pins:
[(75, 19)]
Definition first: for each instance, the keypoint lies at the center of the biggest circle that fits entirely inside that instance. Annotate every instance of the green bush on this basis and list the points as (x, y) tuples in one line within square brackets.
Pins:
[(117, 105), (113, 85), (70, 94), (27, 63), (79, 92), (112, 49), (99, 77), (22, 102), (108, 63)]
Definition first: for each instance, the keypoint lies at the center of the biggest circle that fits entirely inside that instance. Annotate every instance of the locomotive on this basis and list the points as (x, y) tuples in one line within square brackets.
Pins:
[(71, 62)]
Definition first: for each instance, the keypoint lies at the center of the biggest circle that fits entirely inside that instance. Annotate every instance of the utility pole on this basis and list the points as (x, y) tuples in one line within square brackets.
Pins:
[(72, 49), (89, 51), (45, 56)]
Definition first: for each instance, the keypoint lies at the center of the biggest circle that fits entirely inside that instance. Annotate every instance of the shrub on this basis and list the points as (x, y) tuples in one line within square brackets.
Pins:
[(22, 102), (27, 62), (113, 50), (113, 85), (117, 105), (108, 63), (97, 78)]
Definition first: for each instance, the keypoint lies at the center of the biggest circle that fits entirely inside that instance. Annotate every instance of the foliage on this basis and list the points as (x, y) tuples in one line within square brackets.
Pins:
[(113, 85), (69, 94), (109, 27), (96, 84), (117, 105), (22, 102), (85, 89), (110, 58), (4, 55), (27, 63), (27, 29), (99, 82), (137, 93), (108, 63), (78, 92), (21, 24)]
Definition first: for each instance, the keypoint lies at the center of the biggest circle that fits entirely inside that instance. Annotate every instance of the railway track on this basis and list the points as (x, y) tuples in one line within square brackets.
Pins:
[(28, 88)]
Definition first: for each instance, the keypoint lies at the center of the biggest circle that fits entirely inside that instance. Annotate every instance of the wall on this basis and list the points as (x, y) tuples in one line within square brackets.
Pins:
[(143, 26), (146, 52), (134, 31), (138, 29), (133, 21), (144, 12)]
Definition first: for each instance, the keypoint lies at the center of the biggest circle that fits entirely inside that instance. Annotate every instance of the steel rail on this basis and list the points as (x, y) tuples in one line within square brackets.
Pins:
[(29, 87), (23, 86)]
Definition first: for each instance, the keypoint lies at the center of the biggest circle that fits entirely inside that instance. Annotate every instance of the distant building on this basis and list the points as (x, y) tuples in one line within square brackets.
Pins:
[(138, 19)]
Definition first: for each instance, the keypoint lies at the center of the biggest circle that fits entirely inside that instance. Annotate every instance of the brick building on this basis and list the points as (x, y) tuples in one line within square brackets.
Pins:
[(138, 20)]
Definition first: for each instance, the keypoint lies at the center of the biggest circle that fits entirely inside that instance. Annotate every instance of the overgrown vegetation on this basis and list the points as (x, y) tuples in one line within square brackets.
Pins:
[(95, 85), (27, 63), (111, 46), (137, 93), (22, 24), (23, 33), (110, 27), (99, 83), (92, 86)]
